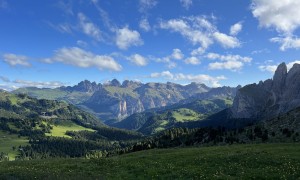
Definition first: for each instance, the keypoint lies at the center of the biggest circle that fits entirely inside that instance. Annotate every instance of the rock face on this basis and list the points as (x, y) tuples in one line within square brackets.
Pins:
[(116, 101), (84, 86), (270, 98)]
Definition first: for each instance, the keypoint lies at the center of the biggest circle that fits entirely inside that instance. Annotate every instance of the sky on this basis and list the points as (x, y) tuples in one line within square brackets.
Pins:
[(54, 43)]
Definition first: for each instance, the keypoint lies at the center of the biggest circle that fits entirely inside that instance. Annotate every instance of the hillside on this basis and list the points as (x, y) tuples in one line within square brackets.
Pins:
[(115, 100), (33, 123), (256, 161), (157, 120)]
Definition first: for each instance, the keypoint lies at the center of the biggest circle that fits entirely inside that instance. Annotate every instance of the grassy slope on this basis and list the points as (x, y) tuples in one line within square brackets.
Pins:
[(59, 130), (259, 161), (7, 141)]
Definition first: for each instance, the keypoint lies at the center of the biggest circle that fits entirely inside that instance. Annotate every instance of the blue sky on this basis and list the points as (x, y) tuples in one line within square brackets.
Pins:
[(52, 43)]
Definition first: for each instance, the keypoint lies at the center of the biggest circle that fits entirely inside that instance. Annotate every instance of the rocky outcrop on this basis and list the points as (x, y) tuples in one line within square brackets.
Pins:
[(83, 86), (270, 98)]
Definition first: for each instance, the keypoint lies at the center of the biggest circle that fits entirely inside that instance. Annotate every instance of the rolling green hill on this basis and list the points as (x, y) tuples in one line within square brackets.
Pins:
[(36, 123), (255, 161), (157, 120)]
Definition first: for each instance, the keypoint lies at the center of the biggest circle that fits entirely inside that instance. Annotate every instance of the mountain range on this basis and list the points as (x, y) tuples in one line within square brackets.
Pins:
[(115, 100)]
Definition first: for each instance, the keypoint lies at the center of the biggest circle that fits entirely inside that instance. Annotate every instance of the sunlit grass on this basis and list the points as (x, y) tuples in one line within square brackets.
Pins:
[(8, 141), (256, 161), (59, 130)]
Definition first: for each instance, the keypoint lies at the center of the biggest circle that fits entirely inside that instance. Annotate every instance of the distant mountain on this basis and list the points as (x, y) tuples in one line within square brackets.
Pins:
[(156, 120), (270, 98), (115, 100)]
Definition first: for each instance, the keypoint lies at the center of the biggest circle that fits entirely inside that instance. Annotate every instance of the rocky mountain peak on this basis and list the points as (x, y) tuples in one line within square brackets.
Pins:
[(114, 82), (131, 84), (270, 98)]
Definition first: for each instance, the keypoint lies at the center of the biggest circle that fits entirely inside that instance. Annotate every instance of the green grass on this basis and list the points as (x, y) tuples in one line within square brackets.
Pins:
[(184, 114), (7, 141), (262, 161), (59, 130)]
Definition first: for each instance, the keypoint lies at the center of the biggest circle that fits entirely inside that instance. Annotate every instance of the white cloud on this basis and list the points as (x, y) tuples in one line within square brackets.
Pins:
[(81, 58), (88, 27), (283, 16), (164, 74), (186, 3), (287, 42), (192, 60), (228, 57), (14, 60), (226, 41), (199, 31), (198, 51), (201, 78), (272, 68), (177, 54), (138, 60), (269, 68), (126, 38), (230, 62), (236, 29), (290, 64), (230, 65), (50, 84), (144, 24), (146, 5)]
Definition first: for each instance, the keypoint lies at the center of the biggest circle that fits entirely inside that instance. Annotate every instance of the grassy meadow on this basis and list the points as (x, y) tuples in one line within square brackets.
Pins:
[(60, 129), (8, 141), (256, 161)]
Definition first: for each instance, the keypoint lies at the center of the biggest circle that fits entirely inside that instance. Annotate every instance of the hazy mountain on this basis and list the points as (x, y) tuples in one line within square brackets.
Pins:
[(115, 100)]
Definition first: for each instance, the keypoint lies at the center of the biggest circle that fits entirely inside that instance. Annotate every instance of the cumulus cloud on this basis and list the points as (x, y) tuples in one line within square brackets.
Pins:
[(14, 60), (88, 27), (226, 41), (50, 84), (272, 67), (192, 60), (186, 3), (283, 16), (230, 62), (176, 55), (81, 58), (236, 29), (201, 78), (138, 60), (200, 31), (269, 68), (144, 25), (287, 42), (126, 38)]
